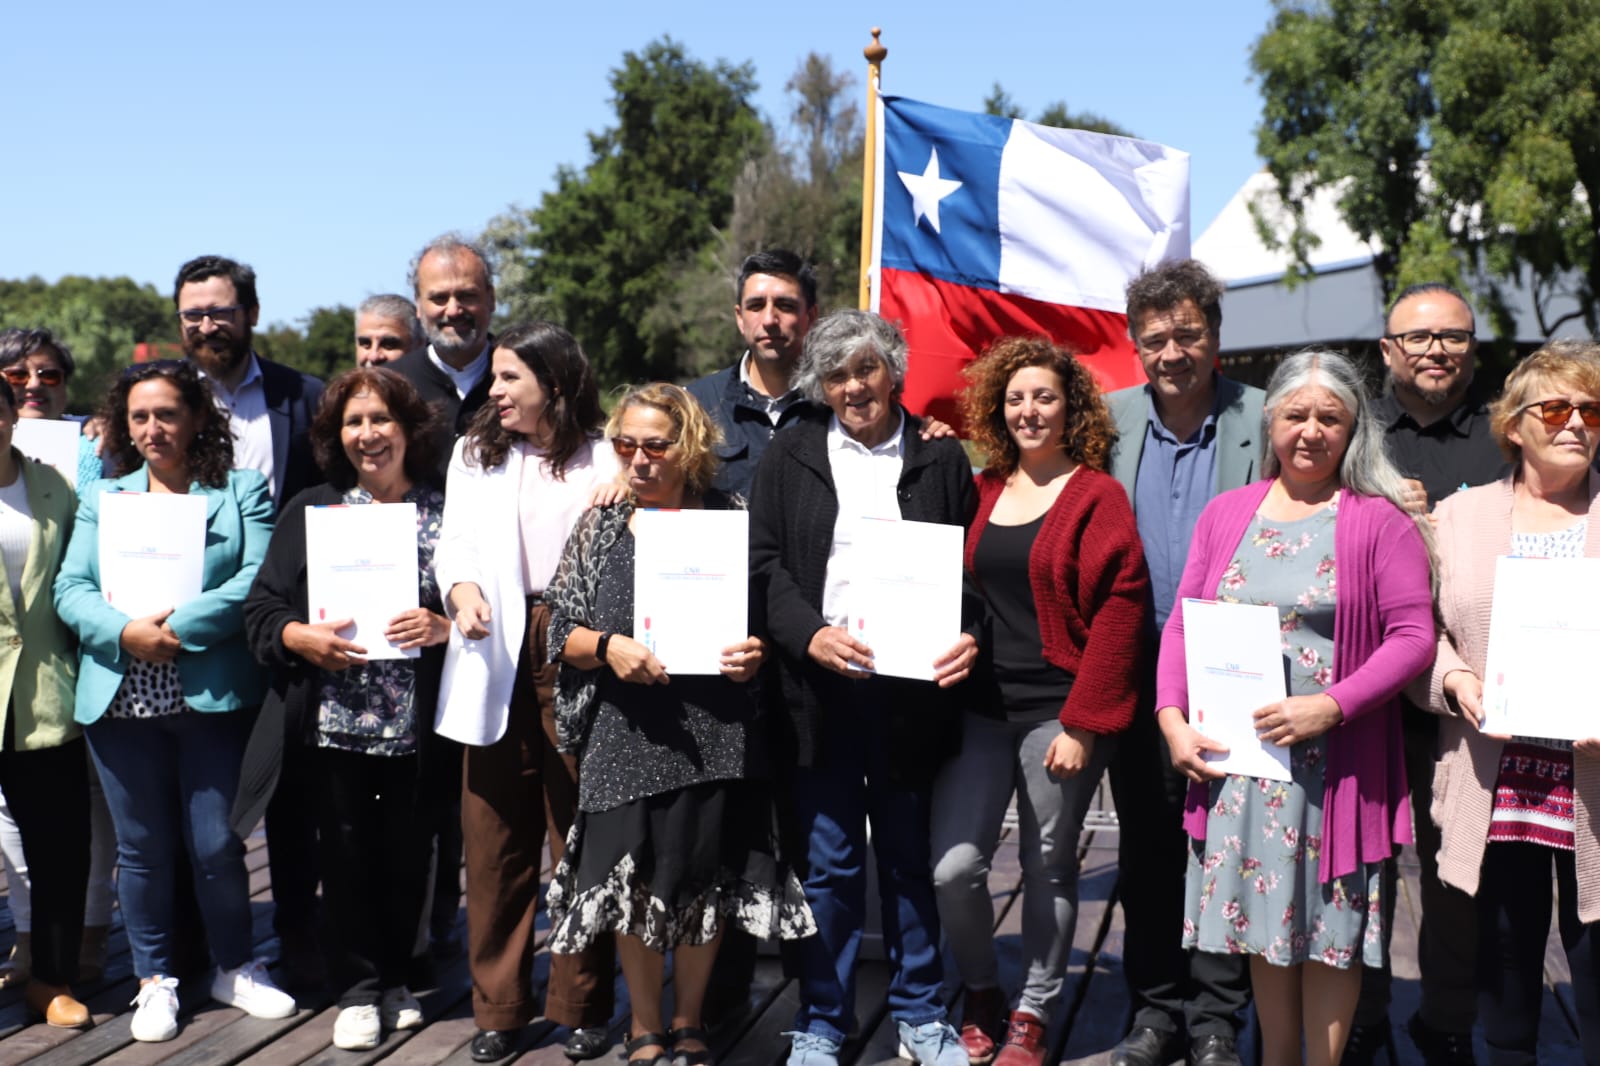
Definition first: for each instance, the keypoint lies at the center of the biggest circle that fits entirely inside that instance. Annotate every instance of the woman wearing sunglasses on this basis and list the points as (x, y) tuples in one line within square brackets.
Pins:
[(1512, 809), (37, 367), (672, 842), (518, 481)]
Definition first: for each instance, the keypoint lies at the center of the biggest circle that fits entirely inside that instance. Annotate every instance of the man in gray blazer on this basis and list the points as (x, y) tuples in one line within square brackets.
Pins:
[(1183, 437)]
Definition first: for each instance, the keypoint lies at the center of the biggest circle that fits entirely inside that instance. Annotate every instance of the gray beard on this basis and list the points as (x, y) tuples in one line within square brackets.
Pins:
[(1447, 398), (453, 351)]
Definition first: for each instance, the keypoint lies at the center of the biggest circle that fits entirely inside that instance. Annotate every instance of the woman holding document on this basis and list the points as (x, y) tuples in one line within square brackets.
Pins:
[(1056, 553), (1288, 872), (365, 719), (168, 696), (1512, 809), (671, 840), (518, 481), (858, 745)]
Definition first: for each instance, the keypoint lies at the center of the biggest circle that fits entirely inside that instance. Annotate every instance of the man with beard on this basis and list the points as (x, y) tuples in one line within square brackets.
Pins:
[(271, 408), (386, 329), (1437, 427), (271, 404), (454, 301)]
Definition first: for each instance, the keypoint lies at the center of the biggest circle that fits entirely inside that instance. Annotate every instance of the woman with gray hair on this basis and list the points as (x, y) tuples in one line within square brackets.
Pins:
[(856, 745), (1289, 873)]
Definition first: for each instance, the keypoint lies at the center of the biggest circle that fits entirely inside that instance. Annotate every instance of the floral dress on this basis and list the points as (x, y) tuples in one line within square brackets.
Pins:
[(1253, 884)]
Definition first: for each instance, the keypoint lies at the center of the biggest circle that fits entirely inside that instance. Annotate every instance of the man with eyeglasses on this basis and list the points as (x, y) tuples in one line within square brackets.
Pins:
[(271, 405), (1183, 437), (1437, 428)]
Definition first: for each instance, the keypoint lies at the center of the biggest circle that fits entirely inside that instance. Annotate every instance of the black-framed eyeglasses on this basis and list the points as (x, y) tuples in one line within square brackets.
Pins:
[(1557, 413), (1418, 341), (654, 449), (220, 315), (17, 375)]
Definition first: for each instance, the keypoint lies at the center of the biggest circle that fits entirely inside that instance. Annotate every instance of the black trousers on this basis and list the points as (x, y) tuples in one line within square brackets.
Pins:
[(374, 844), (292, 849), (1513, 910), (48, 792), (1170, 989), (1447, 942)]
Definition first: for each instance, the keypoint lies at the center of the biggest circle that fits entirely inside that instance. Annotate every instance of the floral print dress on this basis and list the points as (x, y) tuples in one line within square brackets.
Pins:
[(1253, 884)]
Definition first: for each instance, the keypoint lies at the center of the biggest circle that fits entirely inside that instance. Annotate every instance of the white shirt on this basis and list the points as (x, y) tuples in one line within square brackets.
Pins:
[(16, 534), (465, 378), (867, 483), (775, 405), (549, 508), (252, 431)]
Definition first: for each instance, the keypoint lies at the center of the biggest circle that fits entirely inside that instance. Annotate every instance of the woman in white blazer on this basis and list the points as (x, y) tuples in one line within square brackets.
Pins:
[(518, 482)]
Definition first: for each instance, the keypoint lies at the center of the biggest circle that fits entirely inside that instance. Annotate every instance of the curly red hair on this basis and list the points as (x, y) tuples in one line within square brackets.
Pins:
[(1090, 432)]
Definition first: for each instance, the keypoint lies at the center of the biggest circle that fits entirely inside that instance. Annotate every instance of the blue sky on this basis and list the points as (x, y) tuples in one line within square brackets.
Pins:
[(324, 143)]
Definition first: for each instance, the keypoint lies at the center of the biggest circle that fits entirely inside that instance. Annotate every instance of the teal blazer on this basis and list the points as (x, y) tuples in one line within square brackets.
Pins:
[(217, 669)]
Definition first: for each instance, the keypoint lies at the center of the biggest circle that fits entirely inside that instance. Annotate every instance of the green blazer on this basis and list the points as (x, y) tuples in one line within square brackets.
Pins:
[(1240, 433), (217, 669), (38, 653)]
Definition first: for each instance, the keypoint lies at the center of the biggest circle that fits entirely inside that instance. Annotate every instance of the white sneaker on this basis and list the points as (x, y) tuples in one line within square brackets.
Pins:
[(401, 1009), (251, 990), (357, 1028), (157, 1017)]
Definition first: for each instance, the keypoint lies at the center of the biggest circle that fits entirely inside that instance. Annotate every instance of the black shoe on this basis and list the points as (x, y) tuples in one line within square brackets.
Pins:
[(1440, 1048), (1365, 1042), (585, 1044), (492, 1045), (1214, 1050), (1147, 1047)]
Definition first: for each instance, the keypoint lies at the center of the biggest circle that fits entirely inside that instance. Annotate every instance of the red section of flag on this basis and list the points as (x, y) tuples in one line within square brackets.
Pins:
[(948, 325)]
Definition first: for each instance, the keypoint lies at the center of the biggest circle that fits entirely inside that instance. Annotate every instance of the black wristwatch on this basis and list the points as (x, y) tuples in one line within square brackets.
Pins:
[(600, 647)]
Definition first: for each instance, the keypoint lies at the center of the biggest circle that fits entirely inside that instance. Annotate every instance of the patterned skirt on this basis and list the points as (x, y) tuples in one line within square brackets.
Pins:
[(673, 869), (1253, 884)]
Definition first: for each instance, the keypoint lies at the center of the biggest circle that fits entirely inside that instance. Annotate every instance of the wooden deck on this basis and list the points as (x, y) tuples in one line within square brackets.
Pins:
[(1092, 1018)]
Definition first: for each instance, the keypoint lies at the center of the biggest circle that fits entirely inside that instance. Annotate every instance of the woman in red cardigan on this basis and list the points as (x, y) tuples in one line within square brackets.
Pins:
[(1056, 553)]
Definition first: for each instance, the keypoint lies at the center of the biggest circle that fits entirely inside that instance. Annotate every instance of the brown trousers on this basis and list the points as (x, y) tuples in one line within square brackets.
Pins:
[(513, 793)]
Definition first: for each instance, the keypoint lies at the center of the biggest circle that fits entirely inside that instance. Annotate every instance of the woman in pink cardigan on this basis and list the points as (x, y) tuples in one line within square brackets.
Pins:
[(1290, 873), (1511, 809)]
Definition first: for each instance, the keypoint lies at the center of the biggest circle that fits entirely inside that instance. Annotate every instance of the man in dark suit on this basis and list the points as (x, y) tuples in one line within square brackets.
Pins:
[(455, 299)]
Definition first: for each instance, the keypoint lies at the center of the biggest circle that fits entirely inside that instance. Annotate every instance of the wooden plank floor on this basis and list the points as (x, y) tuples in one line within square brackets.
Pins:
[(1092, 1016)]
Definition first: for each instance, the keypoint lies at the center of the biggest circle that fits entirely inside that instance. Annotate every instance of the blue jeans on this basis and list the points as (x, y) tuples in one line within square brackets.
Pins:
[(833, 801), (170, 783)]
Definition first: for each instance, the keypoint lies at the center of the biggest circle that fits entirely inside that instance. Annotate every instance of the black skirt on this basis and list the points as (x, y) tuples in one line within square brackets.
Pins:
[(671, 869)]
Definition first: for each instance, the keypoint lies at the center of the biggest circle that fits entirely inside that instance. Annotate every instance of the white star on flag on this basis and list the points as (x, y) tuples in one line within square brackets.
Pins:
[(927, 189)]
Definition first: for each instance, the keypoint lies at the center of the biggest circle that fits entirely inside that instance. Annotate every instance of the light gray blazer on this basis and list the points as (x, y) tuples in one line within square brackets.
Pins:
[(1240, 434)]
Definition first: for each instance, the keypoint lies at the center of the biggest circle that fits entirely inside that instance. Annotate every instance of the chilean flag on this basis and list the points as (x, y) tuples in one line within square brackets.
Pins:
[(988, 227)]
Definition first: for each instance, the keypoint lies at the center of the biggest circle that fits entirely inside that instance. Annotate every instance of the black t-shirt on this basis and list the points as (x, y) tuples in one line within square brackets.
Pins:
[(1454, 453), (1020, 685)]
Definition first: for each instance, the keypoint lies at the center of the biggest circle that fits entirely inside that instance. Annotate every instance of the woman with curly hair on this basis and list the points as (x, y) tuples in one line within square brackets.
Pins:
[(168, 699), (363, 726), (1056, 554)]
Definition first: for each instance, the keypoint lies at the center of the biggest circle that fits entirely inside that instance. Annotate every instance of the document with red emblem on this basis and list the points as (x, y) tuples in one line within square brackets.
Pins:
[(1234, 656)]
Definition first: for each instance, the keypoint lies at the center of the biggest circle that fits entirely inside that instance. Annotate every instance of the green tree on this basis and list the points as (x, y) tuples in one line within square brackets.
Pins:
[(1462, 136), (100, 320), (604, 245), (999, 102)]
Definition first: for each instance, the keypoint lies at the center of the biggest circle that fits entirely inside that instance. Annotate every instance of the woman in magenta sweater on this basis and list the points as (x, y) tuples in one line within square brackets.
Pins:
[(1289, 873), (1056, 553)]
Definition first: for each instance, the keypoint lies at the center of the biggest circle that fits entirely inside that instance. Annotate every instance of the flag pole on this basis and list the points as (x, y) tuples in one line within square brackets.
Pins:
[(875, 54)]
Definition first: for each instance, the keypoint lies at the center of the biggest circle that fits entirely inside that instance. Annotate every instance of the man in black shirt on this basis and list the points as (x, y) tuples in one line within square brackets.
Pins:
[(1437, 428)]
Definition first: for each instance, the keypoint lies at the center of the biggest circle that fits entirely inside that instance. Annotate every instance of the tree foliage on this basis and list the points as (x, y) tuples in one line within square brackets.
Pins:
[(999, 102), (609, 240), (1463, 136), (98, 319), (324, 347)]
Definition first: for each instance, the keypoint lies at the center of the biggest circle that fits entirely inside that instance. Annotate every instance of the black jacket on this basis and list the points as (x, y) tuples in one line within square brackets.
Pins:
[(439, 393), (793, 507), (746, 429), (279, 596)]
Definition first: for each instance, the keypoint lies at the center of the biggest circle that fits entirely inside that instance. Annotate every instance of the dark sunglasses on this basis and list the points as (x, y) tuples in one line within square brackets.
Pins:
[(654, 449), (17, 376), (1556, 413)]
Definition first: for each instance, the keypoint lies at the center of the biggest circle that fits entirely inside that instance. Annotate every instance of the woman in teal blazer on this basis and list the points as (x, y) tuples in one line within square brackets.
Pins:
[(168, 699)]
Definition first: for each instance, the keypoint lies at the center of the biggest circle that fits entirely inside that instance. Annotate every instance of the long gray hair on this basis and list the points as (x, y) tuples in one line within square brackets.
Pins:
[(1366, 467)]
